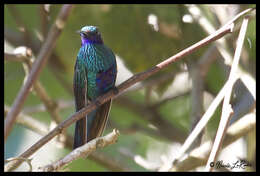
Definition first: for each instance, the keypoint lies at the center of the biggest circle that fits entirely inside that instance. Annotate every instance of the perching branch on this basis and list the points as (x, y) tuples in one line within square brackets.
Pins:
[(83, 151), (111, 94), (43, 56)]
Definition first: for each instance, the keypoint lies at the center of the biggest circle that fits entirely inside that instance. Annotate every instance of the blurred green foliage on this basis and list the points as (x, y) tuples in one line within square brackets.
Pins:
[(126, 31)]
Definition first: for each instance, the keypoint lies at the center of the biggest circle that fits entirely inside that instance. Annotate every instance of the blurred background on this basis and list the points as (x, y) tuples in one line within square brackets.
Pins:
[(154, 117)]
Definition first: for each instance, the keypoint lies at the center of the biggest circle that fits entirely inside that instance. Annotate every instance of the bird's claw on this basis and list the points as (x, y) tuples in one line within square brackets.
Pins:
[(97, 103), (115, 90)]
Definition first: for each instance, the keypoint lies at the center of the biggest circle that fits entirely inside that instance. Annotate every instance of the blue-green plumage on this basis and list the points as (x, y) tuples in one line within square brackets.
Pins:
[(94, 74)]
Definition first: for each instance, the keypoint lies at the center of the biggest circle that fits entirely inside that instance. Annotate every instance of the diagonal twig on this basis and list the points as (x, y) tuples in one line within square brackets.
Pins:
[(198, 157), (20, 23), (44, 21), (25, 55), (43, 56), (226, 109), (28, 161), (83, 151), (30, 122), (201, 124)]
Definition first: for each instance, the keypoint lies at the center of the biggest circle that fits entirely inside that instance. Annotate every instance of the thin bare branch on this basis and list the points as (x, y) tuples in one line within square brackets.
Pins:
[(83, 151), (222, 43), (43, 13), (16, 39), (51, 106), (37, 67), (28, 161), (201, 124), (227, 110), (14, 57), (196, 97), (20, 23), (30, 123), (198, 157)]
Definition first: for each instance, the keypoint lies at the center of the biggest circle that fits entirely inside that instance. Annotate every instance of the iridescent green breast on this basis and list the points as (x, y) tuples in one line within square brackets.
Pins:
[(98, 59)]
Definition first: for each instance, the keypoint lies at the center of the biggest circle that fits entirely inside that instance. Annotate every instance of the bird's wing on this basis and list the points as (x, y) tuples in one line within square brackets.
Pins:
[(80, 84), (80, 94)]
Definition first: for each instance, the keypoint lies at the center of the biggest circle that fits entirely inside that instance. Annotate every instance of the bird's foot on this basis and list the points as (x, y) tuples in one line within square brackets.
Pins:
[(97, 103), (115, 90)]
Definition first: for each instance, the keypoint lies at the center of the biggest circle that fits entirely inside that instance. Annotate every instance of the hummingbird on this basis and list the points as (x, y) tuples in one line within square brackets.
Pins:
[(95, 73)]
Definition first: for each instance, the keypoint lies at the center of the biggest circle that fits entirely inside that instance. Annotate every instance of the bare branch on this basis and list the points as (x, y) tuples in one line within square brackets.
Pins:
[(226, 109), (43, 13), (198, 157), (20, 23), (14, 57), (51, 106), (83, 151), (16, 39), (196, 96), (30, 123), (37, 67), (28, 161), (201, 124)]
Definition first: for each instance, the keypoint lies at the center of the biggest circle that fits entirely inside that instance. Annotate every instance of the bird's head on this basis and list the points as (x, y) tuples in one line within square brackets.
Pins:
[(90, 34)]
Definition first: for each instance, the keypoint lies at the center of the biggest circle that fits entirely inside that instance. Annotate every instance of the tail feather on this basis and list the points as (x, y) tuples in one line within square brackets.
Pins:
[(80, 133), (97, 122), (93, 127)]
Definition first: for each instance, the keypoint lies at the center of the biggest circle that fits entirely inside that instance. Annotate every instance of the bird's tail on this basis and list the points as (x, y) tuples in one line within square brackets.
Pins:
[(97, 120), (93, 127), (80, 133)]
